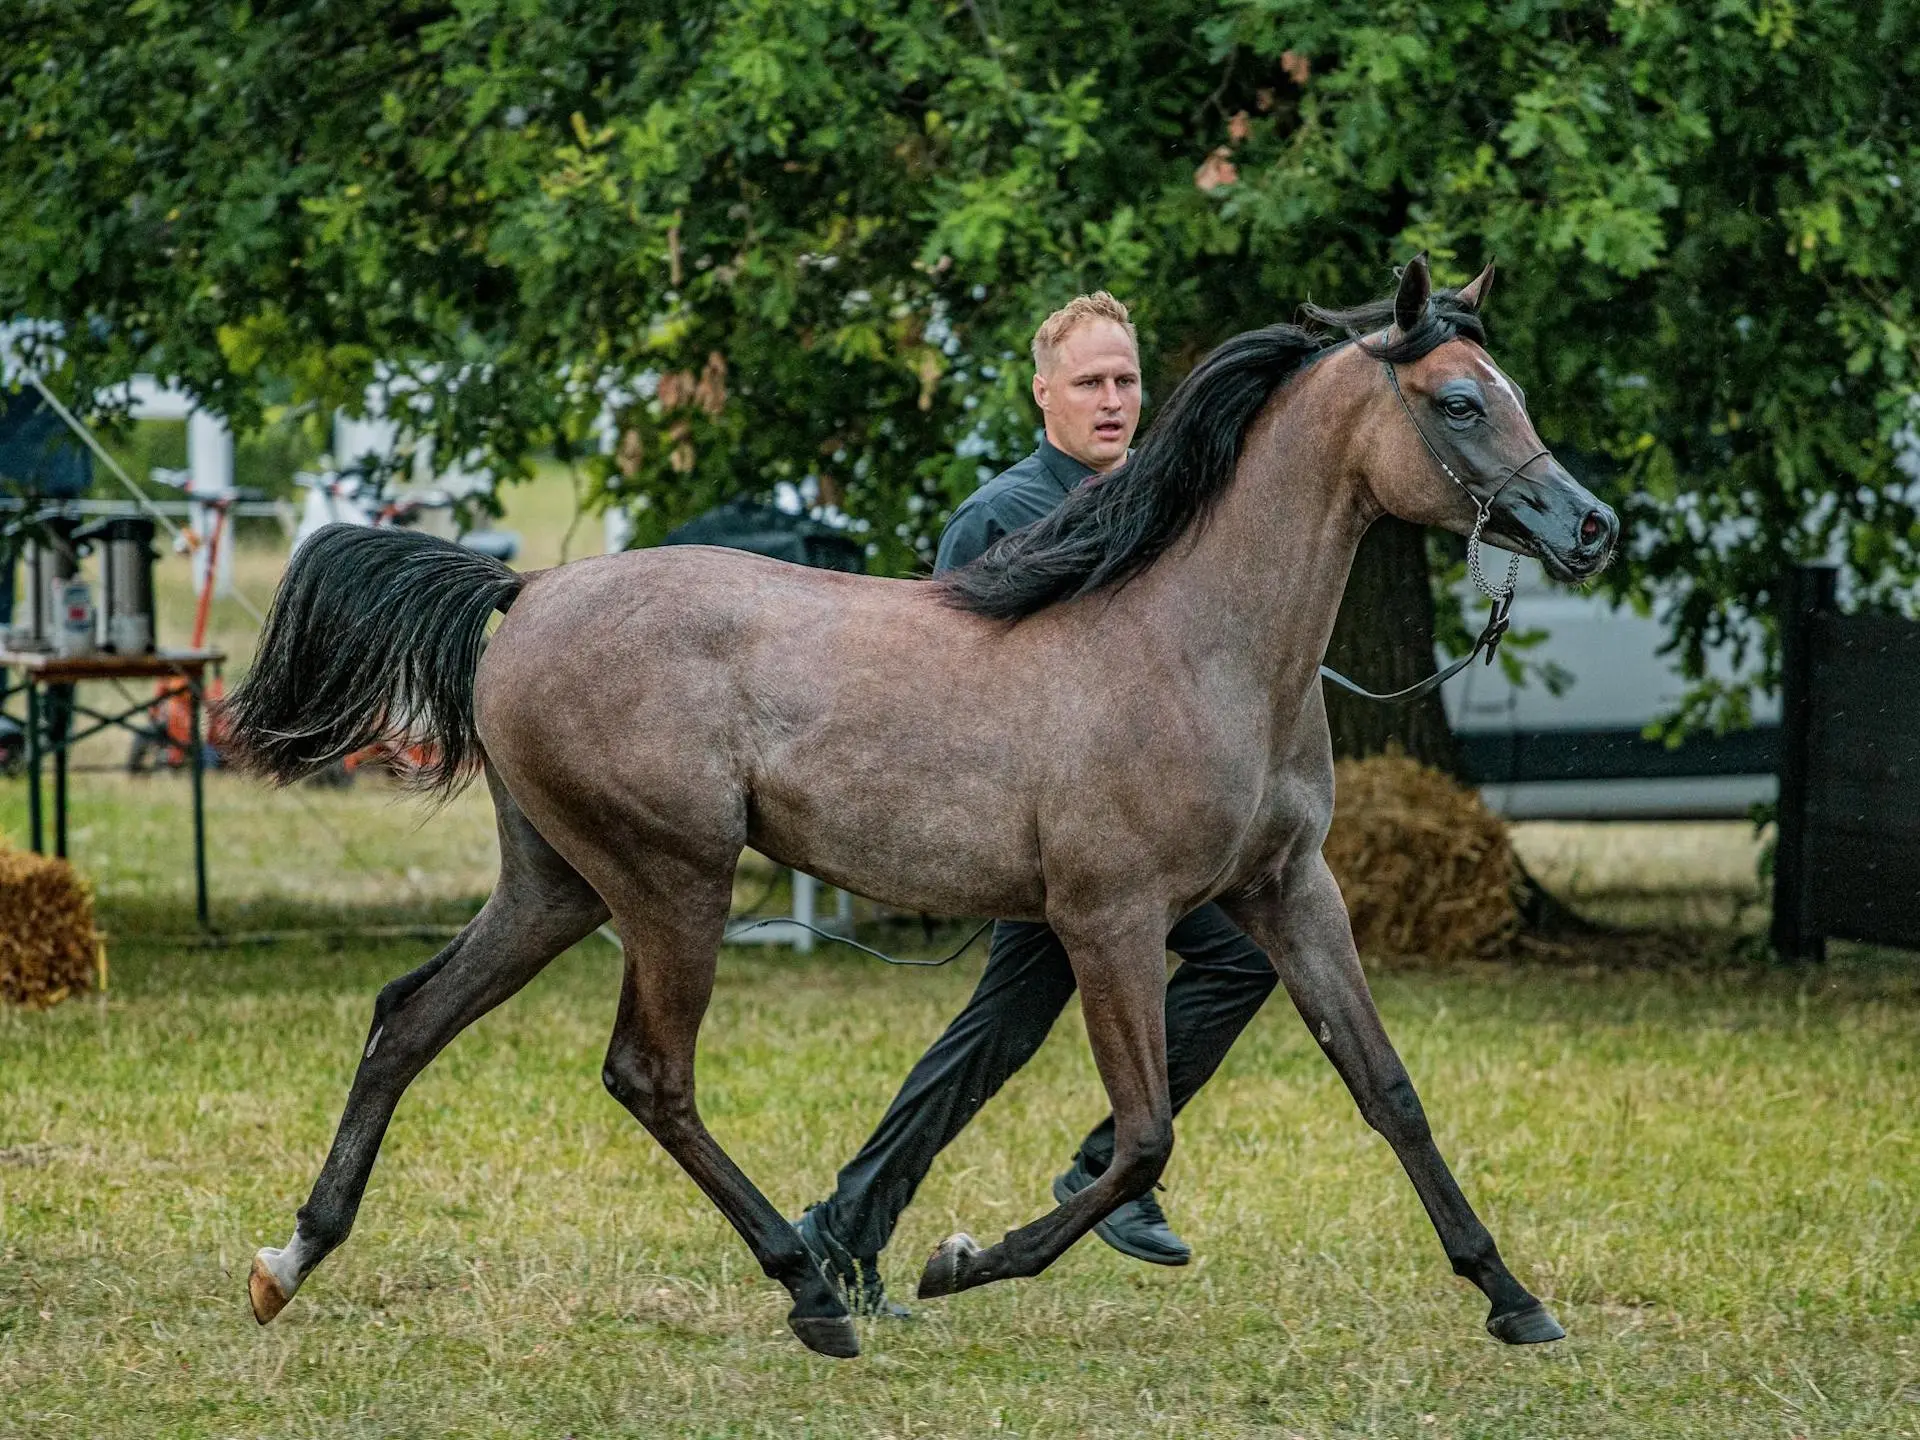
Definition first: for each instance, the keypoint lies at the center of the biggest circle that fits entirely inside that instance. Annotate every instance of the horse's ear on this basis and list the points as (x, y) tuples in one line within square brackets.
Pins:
[(1473, 296), (1416, 288)]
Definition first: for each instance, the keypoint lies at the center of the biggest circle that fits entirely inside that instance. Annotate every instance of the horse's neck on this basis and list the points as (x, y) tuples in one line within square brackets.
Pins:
[(1259, 585)]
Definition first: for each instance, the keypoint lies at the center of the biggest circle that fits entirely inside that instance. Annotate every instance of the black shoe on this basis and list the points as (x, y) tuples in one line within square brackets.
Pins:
[(1138, 1228), (857, 1280)]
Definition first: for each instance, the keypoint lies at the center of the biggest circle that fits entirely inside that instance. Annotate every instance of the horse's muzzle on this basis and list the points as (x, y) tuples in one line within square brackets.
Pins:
[(1558, 521)]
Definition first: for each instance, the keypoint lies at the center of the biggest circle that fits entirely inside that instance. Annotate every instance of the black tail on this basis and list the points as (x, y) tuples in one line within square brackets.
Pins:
[(374, 636)]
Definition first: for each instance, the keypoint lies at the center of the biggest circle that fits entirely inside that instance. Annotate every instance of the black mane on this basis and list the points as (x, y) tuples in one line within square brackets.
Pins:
[(1104, 534)]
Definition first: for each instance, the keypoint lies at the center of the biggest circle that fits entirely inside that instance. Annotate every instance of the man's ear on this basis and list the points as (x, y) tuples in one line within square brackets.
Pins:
[(1416, 288), (1040, 390), (1473, 296)]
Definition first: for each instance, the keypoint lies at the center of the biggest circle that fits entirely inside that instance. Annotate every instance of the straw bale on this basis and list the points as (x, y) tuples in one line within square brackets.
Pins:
[(1425, 867), (48, 946)]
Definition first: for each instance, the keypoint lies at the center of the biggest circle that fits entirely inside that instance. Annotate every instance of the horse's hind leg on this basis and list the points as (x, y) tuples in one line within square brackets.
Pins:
[(1121, 969), (671, 925), (539, 908)]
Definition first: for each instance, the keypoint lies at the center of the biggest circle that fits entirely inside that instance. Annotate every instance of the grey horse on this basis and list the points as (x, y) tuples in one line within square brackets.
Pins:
[(1108, 719)]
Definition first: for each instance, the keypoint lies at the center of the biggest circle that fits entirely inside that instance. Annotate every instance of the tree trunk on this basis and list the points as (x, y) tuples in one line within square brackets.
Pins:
[(1383, 639)]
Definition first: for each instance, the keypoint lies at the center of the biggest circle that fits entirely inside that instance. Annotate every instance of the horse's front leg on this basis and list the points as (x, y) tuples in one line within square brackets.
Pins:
[(1303, 923), (1121, 969)]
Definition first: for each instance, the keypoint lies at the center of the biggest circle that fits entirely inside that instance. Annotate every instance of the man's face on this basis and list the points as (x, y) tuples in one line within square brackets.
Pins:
[(1090, 393)]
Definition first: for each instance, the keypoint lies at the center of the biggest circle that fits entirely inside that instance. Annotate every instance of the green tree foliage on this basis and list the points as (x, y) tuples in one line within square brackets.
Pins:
[(807, 240)]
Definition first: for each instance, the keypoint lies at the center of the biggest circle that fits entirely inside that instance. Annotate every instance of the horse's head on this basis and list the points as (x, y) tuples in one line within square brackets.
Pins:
[(1449, 443)]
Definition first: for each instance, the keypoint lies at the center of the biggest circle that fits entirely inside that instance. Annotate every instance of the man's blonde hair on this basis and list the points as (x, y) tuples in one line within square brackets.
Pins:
[(1071, 316)]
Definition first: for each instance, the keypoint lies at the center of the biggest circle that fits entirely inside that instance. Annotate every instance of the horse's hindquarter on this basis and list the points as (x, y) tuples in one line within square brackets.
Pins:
[(600, 704)]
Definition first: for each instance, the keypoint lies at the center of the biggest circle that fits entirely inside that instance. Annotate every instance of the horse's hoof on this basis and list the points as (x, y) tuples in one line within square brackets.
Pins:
[(1531, 1326), (264, 1289), (947, 1266), (832, 1335)]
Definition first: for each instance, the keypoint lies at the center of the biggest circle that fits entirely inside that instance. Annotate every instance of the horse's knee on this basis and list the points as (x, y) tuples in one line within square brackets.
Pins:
[(1140, 1160), (628, 1080), (658, 1098), (1398, 1114)]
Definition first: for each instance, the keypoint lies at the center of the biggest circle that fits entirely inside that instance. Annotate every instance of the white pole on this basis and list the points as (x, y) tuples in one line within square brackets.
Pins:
[(210, 475), (804, 888), (619, 530)]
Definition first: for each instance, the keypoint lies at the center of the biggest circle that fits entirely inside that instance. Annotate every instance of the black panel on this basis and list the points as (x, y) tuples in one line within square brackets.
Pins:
[(37, 454), (1862, 806), (1864, 886), (764, 530), (1527, 755)]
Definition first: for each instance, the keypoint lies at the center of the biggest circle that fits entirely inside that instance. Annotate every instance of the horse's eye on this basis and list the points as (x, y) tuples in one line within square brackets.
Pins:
[(1458, 407)]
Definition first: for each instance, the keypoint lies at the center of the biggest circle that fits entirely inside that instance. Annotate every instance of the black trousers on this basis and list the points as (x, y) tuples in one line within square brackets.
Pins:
[(1223, 979)]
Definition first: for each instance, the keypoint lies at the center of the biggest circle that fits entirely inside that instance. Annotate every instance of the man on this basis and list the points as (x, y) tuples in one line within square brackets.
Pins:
[(1087, 384)]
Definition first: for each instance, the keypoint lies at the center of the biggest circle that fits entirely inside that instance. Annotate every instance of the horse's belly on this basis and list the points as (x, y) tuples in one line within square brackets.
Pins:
[(923, 853)]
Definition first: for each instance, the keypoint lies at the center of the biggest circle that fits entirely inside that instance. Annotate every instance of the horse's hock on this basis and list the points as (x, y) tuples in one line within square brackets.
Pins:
[(1425, 867), (49, 948)]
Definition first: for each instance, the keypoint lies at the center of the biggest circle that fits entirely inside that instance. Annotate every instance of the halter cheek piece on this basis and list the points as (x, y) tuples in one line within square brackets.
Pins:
[(1501, 595)]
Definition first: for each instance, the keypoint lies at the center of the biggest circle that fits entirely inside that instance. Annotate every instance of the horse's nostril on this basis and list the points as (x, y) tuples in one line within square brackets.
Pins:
[(1592, 528)]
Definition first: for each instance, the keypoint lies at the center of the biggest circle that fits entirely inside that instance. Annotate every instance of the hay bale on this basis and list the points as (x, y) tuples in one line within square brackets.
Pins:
[(48, 946), (1425, 867)]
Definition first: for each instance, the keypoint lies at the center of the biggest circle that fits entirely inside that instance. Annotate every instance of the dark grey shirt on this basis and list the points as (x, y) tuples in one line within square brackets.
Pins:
[(1010, 501)]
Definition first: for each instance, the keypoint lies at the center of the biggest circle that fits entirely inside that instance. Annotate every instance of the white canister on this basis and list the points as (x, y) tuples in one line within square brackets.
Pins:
[(130, 634), (74, 634)]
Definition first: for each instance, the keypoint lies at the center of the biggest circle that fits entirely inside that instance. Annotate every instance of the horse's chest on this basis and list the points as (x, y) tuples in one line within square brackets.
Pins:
[(1295, 807)]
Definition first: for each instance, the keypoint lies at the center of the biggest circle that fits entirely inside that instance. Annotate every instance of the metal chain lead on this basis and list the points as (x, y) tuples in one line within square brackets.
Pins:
[(1474, 567)]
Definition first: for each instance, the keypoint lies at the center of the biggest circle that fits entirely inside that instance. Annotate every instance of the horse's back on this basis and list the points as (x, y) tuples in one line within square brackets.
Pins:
[(706, 618)]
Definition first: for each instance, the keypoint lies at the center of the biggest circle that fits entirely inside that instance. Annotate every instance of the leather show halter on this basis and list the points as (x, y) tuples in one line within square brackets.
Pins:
[(1500, 595)]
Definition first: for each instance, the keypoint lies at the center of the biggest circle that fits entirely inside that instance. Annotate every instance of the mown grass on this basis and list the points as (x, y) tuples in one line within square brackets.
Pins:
[(1711, 1175)]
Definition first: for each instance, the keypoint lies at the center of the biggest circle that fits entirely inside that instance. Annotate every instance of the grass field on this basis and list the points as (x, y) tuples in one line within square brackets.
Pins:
[(1709, 1170), (1710, 1174)]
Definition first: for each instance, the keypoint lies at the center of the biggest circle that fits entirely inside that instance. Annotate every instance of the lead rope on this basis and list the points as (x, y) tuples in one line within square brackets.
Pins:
[(1500, 596), (1503, 594), (742, 926), (735, 931)]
